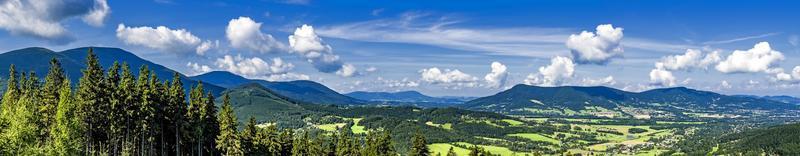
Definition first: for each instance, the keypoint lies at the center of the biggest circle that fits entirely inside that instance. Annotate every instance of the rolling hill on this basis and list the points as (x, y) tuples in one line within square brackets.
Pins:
[(37, 60), (302, 90), (666, 103), (775, 140)]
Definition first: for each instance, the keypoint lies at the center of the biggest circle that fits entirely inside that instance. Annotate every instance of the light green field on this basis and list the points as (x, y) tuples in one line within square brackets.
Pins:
[(356, 128), (493, 149), (536, 137), (447, 126), (512, 122), (330, 127), (442, 148)]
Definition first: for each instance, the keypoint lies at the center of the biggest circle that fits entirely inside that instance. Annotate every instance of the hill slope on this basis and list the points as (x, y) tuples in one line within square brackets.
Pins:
[(776, 140), (37, 60), (301, 90), (668, 103), (404, 96)]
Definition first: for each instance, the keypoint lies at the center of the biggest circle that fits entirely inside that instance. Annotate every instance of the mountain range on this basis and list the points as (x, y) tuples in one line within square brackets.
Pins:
[(301, 90), (667, 103), (37, 60)]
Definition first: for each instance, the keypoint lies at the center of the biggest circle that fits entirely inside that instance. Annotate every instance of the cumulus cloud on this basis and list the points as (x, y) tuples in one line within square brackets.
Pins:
[(347, 70), (196, 68), (598, 47), (793, 76), (244, 33), (287, 77), (42, 18), (691, 59), (606, 81), (253, 67), (761, 58), (179, 41), (305, 42), (497, 77), (559, 69), (448, 77), (661, 77)]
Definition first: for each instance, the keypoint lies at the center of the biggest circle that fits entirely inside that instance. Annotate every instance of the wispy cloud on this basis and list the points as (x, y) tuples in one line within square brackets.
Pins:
[(741, 38), (448, 32)]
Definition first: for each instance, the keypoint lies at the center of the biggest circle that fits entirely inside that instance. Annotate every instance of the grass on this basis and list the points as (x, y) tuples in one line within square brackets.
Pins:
[(492, 149), (447, 126), (356, 128), (536, 137), (330, 127), (442, 148), (512, 122)]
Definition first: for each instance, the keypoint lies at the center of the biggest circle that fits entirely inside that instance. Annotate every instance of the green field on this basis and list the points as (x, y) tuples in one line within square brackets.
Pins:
[(536, 137)]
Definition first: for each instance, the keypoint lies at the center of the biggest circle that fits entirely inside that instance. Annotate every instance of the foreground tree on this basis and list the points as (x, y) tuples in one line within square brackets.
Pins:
[(227, 140), (419, 147)]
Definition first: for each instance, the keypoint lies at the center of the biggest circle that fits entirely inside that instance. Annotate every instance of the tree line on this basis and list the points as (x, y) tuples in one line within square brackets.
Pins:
[(114, 112)]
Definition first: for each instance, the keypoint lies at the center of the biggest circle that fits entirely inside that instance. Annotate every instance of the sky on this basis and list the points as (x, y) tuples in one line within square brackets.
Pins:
[(440, 48)]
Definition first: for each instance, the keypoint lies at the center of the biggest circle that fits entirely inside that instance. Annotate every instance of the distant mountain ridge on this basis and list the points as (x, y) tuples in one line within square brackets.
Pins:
[(301, 90), (402, 96), (678, 102), (37, 59)]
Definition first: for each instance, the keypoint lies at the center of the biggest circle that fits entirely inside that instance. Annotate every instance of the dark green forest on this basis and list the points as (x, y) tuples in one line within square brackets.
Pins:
[(114, 112)]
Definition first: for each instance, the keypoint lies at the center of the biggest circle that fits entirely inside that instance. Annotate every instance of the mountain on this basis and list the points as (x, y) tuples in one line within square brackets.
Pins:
[(783, 98), (403, 96), (666, 103), (302, 90), (37, 60), (257, 101)]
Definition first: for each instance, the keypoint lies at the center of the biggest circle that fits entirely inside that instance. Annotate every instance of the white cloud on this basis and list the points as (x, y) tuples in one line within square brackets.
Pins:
[(42, 18), (448, 77), (164, 39), (253, 67), (689, 60), (371, 69), (761, 58), (596, 48), (554, 74), (662, 77), (725, 84), (403, 83), (244, 33), (197, 68), (347, 70), (286, 77), (606, 81), (497, 77), (791, 77), (305, 42)]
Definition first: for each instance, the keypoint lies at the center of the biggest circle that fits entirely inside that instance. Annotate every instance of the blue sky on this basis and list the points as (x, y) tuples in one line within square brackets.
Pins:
[(461, 48)]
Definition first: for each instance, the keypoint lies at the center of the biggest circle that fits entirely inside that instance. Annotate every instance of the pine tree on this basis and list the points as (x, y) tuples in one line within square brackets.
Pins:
[(248, 138), (419, 147), (301, 145), (67, 128), (227, 140), (22, 133), (50, 95), (212, 125), (129, 109), (115, 115), (285, 139), (90, 96), (10, 97), (194, 117), (175, 112)]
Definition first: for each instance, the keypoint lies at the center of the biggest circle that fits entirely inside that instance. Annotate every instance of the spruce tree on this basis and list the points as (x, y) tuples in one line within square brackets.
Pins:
[(175, 112), (115, 115), (419, 147), (22, 133), (67, 130), (248, 137), (129, 109), (451, 152), (194, 118), (227, 140), (9, 99), (212, 124), (50, 95), (90, 96)]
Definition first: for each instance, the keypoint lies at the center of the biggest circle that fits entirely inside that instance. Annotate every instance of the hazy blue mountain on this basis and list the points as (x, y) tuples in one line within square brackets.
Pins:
[(403, 96), (37, 60), (676, 102), (301, 90), (784, 98)]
